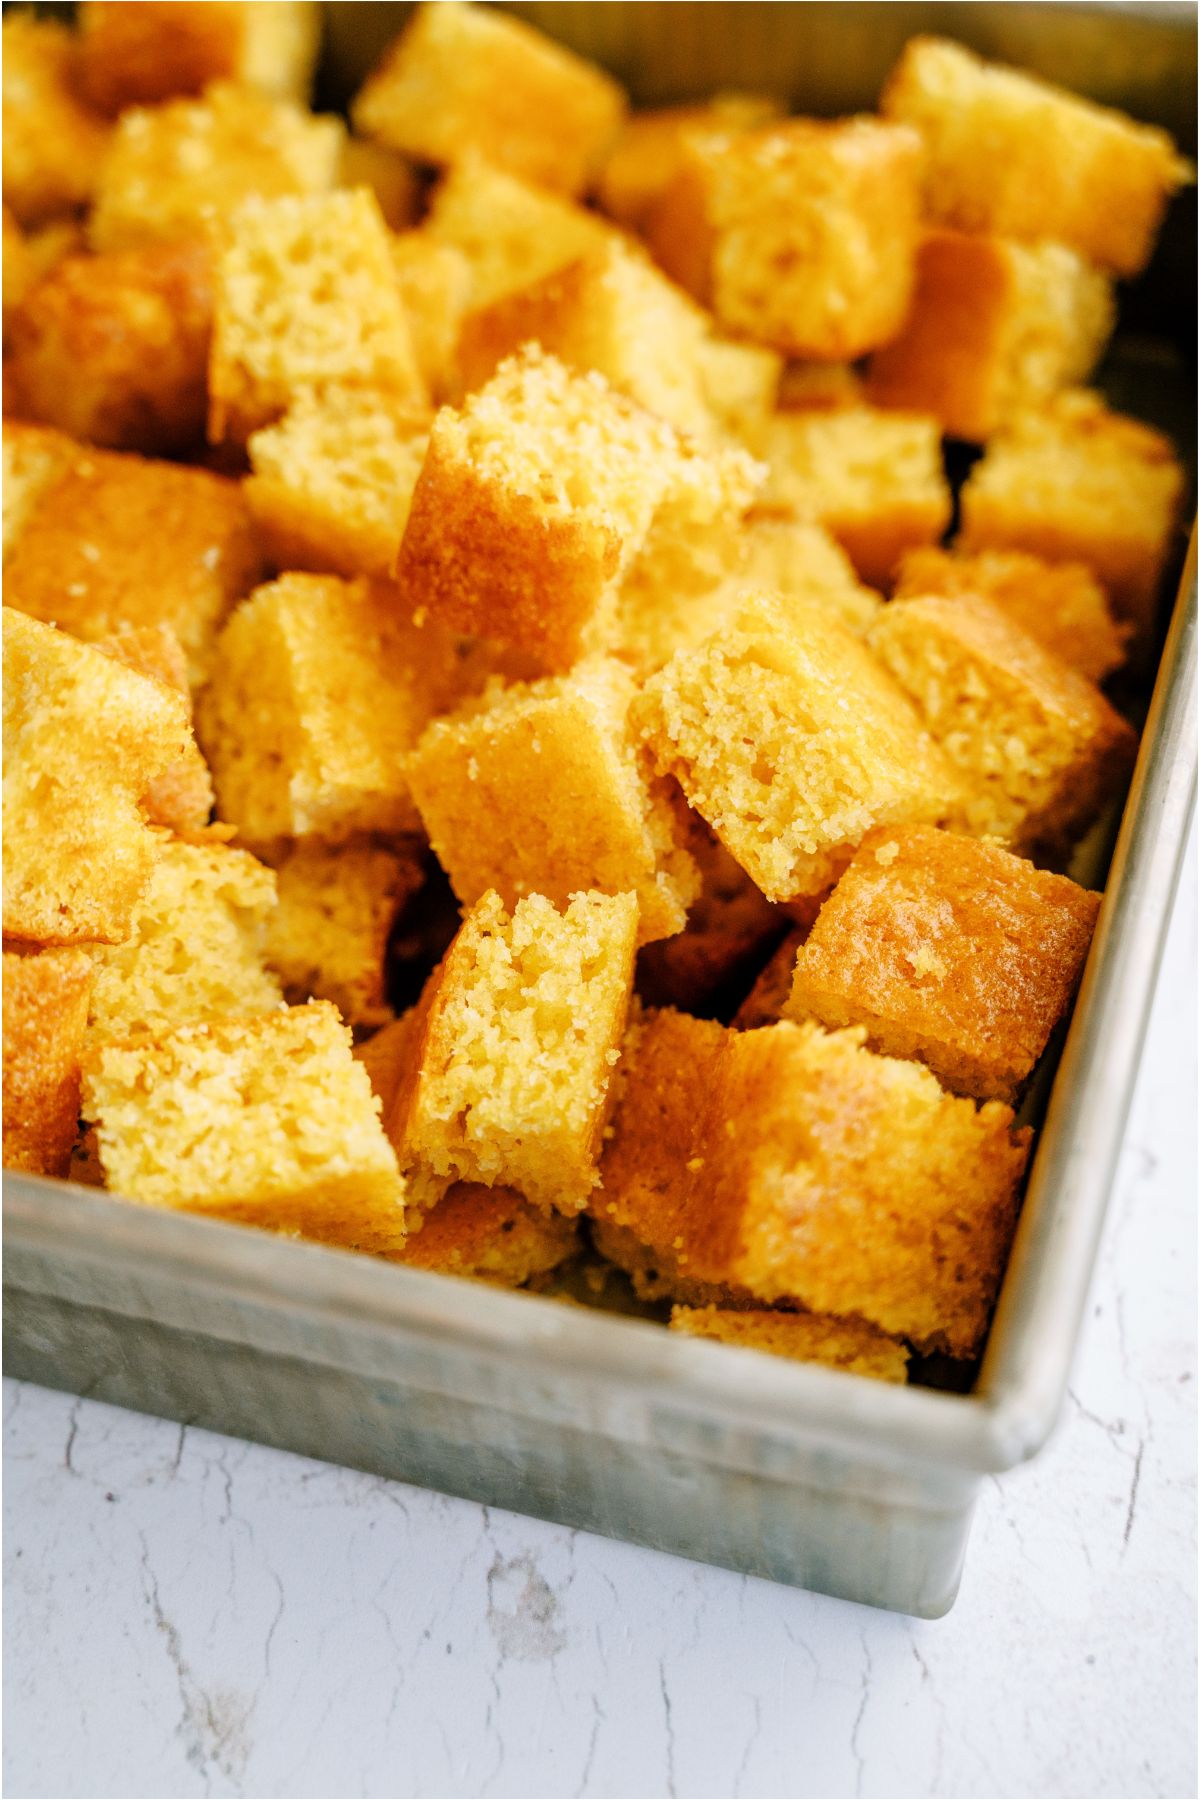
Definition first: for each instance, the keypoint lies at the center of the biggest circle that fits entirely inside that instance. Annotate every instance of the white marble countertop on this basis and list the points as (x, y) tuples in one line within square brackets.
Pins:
[(189, 1614)]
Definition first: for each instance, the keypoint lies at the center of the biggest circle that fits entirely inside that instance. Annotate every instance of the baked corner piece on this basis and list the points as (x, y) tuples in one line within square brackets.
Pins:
[(138, 54), (320, 688), (181, 798), (539, 493), (1062, 605), (53, 142), (801, 235), (646, 156), (520, 1031), (305, 294), (178, 169), (794, 1165), (465, 78), (540, 789), (994, 326), (1038, 747), (328, 936), (872, 478), (196, 945), (1074, 482), (114, 541), (83, 740), (791, 741), (114, 349), (45, 1018), (611, 311), (804, 1337), (1006, 152), (264, 1121), (332, 481), (948, 951)]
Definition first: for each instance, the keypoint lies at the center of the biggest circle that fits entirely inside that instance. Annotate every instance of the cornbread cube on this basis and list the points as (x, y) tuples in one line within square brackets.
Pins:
[(320, 688), (1073, 482), (45, 1017), (647, 154), (1039, 749), (791, 742), (83, 739), (392, 179), (772, 988), (195, 948), (1005, 152), (53, 142), (796, 1165), (820, 386), (176, 170), (950, 952), (805, 1337), (995, 326), (136, 54), (801, 235), (540, 790), (114, 349), (181, 798), (305, 294), (464, 78), (333, 480), (1062, 605), (118, 540), (874, 479), (539, 492), (511, 234), (34, 457), (610, 311), (328, 936), (798, 560), (728, 927), (520, 1030), (741, 384), (264, 1121), (30, 255), (434, 282)]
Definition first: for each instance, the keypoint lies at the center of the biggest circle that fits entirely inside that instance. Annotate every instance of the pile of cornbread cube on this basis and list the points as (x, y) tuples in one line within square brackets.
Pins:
[(517, 759)]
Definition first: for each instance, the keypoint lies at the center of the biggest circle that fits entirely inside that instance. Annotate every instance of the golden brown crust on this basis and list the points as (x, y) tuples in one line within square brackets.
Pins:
[(139, 54), (181, 798), (53, 143), (45, 1016), (805, 1337)]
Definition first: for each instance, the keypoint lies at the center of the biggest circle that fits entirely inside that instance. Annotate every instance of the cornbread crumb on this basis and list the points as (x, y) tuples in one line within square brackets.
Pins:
[(83, 739), (801, 235), (305, 294), (463, 78), (845, 1182), (1074, 482), (53, 143), (114, 349), (791, 742), (512, 1080), (177, 170), (951, 952), (1062, 605), (805, 1337), (45, 1016), (1008, 153), (1038, 747), (872, 478), (995, 326), (328, 935), (333, 479), (320, 688), (118, 540), (646, 156), (135, 55), (263, 1121), (195, 946), (540, 790)]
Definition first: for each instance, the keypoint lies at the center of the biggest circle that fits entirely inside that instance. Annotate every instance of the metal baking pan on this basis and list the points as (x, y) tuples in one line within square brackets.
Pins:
[(793, 1472)]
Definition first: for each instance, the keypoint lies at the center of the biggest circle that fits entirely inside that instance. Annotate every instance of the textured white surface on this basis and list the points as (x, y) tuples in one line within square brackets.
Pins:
[(187, 1614)]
